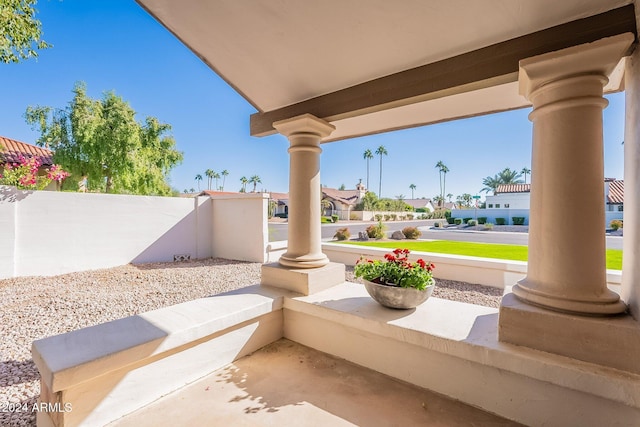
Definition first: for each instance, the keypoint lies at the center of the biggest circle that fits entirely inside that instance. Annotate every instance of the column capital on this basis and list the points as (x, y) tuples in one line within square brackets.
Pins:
[(305, 123), (600, 58)]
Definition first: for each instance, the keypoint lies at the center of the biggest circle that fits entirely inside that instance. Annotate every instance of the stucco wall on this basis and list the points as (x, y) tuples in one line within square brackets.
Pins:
[(47, 233)]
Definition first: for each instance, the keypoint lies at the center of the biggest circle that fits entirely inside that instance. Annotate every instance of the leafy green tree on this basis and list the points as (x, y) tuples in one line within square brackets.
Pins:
[(464, 200), (525, 172), (368, 155), (198, 179), (342, 187), (224, 174), (101, 139), (368, 202), (255, 179), (412, 187), (381, 151), (20, 31)]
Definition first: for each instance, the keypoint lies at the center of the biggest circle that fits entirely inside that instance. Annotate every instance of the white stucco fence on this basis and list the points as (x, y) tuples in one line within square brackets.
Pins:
[(482, 271), (46, 233), (508, 214)]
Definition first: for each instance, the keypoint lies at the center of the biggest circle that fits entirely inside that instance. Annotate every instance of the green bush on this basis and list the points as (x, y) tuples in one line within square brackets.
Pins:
[(421, 210), (471, 222), (393, 217), (616, 224), (518, 220), (334, 218), (437, 224), (376, 231), (353, 216), (447, 214), (410, 216), (342, 234), (488, 226), (411, 232), (387, 217), (457, 221), (466, 220), (501, 221), (450, 220), (378, 217), (423, 216), (326, 220), (482, 220)]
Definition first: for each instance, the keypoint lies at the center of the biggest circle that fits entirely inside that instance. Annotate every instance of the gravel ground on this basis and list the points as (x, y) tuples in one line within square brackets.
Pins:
[(37, 307)]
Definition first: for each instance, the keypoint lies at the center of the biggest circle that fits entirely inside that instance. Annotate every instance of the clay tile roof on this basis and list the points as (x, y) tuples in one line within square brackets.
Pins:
[(12, 150), (616, 192), (279, 196), (348, 197), (216, 193), (513, 188)]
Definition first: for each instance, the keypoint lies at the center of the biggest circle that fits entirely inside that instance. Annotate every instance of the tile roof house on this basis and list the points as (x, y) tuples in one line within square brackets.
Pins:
[(614, 194), (516, 196), (11, 151)]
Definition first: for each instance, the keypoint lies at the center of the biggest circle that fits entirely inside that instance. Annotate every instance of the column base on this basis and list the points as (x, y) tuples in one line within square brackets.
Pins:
[(302, 280), (607, 304), (607, 341), (304, 261)]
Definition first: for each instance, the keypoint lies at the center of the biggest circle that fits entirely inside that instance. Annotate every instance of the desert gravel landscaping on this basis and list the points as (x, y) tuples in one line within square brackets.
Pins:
[(37, 307)]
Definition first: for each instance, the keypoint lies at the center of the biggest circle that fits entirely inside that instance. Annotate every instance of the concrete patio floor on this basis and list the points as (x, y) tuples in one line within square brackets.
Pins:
[(286, 383)]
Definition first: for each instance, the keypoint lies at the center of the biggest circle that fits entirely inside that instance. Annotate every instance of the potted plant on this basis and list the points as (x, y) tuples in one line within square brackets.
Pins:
[(397, 282)]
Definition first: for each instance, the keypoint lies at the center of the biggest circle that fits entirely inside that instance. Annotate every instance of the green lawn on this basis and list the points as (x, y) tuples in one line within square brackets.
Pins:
[(486, 250)]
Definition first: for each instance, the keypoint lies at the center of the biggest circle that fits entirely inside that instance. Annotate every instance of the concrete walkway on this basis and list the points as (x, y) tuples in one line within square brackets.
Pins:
[(286, 384)]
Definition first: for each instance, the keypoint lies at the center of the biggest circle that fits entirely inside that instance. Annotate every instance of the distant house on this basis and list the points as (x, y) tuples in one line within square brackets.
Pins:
[(614, 195), (11, 151), (282, 203), (516, 196), (426, 204), (341, 202), (510, 196)]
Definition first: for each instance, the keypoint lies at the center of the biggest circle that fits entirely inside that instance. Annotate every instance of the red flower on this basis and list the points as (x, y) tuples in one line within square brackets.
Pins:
[(421, 263)]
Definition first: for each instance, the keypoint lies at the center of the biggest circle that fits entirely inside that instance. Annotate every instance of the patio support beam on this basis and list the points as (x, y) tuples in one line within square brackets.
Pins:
[(304, 233), (563, 305)]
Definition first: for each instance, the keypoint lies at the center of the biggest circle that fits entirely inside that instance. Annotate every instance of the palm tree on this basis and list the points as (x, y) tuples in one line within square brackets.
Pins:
[(209, 173), (525, 172), (216, 176), (412, 187), (449, 196), (255, 179), (491, 183), (508, 176), (442, 170), (224, 174), (368, 155), (381, 151), (244, 182), (439, 200), (198, 179)]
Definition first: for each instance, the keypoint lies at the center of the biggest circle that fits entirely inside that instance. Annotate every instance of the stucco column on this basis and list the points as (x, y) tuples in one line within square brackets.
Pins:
[(631, 254), (304, 233), (567, 264)]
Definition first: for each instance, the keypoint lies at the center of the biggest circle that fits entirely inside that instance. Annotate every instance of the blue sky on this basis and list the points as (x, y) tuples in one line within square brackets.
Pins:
[(115, 45)]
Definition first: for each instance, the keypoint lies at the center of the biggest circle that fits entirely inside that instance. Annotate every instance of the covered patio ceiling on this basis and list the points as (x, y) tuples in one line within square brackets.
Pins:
[(372, 66)]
